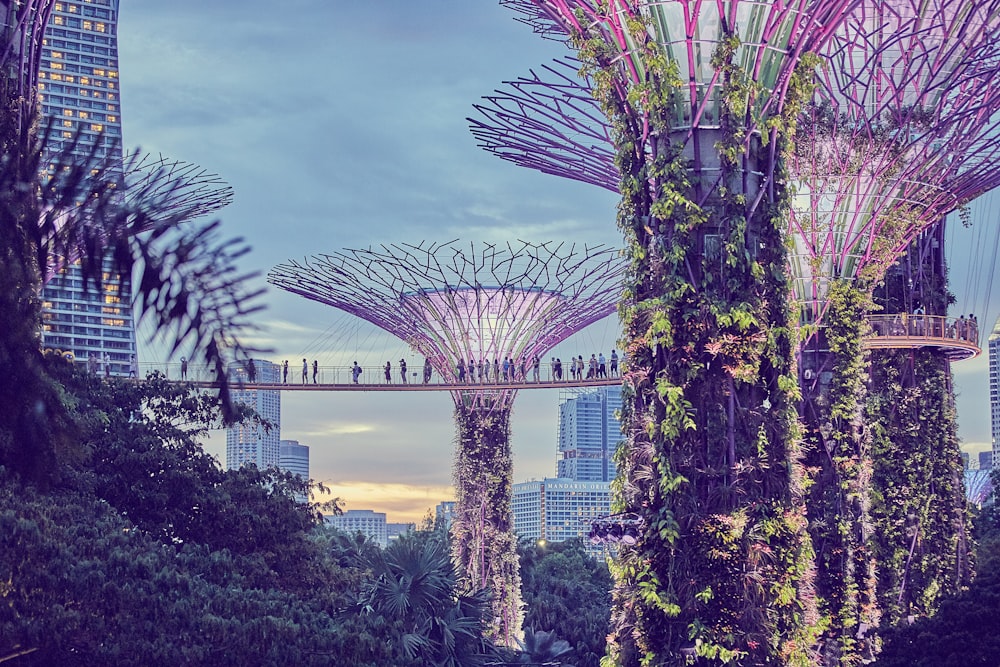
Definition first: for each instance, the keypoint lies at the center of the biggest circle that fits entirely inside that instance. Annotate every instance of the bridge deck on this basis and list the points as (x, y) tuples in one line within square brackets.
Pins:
[(431, 386)]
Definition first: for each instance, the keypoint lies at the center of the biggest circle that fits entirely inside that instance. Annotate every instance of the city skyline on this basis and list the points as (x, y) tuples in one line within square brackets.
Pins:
[(349, 130)]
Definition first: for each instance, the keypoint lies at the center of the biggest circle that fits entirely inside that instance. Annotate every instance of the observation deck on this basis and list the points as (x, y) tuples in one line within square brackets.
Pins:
[(958, 338)]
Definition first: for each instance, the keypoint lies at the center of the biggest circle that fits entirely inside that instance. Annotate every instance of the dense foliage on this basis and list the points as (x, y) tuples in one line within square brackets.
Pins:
[(840, 468), (965, 629), (146, 552), (922, 533), (568, 594), (711, 461)]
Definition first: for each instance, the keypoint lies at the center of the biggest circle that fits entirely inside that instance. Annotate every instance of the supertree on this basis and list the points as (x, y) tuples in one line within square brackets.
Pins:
[(155, 190), (915, 138), (700, 99), (463, 308)]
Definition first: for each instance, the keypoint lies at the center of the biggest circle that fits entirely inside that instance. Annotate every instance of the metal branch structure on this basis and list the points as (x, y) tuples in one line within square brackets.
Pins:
[(463, 308), (183, 190), (903, 129), (158, 192), (771, 39)]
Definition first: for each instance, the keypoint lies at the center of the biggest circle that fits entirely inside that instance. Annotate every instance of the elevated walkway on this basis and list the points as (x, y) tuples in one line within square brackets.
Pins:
[(958, 338), (338, 378)]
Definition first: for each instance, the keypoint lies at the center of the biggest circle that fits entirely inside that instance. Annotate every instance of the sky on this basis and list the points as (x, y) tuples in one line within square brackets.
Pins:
[(343, 125)]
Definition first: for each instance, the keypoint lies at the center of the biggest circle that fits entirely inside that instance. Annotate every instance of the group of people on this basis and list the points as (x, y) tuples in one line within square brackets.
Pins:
[(919, 324), (473, 372), (94, 364)]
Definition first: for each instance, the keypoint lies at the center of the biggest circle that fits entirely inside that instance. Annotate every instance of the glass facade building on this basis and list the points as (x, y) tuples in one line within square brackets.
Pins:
[(994, 353), (78, 87), (294, 458), (557, 510), (250, 442), (589, 432)]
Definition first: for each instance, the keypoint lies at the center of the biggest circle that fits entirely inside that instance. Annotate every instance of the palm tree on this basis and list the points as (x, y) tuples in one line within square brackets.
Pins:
[(411, 596)]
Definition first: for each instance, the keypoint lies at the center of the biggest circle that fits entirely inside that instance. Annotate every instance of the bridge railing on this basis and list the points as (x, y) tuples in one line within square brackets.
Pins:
[(370, 375), (903, 330)]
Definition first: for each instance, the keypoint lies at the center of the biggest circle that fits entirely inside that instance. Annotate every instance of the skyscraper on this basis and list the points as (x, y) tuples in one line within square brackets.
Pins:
[(995, 388), (369, 523), (560, 509), (294, 458), (251, 442), (78, 85), (589, 432)]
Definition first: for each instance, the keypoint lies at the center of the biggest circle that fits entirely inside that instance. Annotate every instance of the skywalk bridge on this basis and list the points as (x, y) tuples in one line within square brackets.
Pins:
[(958, 338)]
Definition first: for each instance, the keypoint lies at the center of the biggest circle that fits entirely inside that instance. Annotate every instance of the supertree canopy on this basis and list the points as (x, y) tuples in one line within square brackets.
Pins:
[(157, 191), (462, 307)]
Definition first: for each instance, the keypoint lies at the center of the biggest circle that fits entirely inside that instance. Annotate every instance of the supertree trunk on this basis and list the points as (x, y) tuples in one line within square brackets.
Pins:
[(723, 567), (838, 458), (483, 542), (918, 498)]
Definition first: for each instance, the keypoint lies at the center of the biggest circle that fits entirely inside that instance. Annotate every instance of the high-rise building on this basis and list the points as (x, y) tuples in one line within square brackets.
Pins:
[(994, 344), (589, 432), (369, 523), (557, 510), (250, 441), (294, 458), (78, 85), (985, 460)]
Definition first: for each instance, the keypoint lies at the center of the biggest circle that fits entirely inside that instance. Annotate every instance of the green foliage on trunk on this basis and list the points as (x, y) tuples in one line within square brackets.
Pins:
[(840, 469), (711, 459), (483, 543)]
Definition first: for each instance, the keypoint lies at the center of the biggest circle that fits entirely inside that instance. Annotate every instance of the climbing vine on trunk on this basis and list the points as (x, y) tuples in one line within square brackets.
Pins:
[(839, 462), (710, 462), (483, 543)]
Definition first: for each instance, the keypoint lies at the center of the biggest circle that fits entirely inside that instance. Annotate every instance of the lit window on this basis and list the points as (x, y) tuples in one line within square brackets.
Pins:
[(41, 86), (84, 80), (56, 65), (112, 119), (113, 74), (87, 25), (83, 114), (100, 27), (111, 84), (57, 54), (67, 134), (84, 92), (111, 96), (97, 127), (59, 6), (67, 123), (67, 112), (58, 20), (74, 8), (99, 72), (70, 78)]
